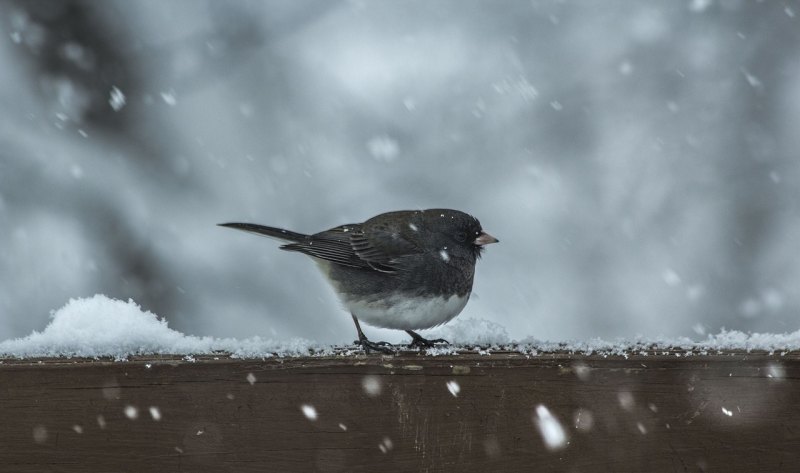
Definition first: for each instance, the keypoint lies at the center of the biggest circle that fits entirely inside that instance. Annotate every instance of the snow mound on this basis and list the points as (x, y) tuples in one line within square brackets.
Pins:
[(471, 332), (100, 326)]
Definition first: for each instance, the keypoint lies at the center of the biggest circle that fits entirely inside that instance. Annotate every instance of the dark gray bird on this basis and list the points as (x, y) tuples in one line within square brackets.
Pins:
[(406, 270)]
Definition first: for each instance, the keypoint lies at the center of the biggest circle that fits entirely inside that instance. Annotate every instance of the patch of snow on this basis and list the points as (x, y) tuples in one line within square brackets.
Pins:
[(469, 331), (77, 428), (444, 255), (155, 413), (251, 378), (102, 327), (727, 412), (343, 427)]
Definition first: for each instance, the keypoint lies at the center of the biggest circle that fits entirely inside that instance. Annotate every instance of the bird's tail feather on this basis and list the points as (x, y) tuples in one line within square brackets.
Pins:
[(278, 233)]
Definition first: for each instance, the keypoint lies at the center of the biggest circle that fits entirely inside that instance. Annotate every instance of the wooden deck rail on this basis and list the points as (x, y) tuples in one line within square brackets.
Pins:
[(726, 412)]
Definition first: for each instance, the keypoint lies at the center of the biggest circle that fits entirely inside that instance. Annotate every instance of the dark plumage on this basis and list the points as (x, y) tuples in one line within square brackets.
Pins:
[(406, 270)]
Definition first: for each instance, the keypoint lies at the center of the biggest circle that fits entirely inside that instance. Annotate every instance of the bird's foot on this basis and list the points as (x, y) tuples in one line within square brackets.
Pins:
[(369, 346), (418, 341)]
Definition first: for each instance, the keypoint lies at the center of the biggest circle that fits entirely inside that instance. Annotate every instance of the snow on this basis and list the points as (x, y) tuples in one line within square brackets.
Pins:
[(116, 99), (40, 434), (309, 411), (383, 148), (131, 412), (372, 385), (385, 445), (550, 428), (625, 400), (169, 98), (102, 327), (453, 387)]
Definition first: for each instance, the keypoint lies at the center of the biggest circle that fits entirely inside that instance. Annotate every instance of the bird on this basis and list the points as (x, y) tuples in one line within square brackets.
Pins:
[(407, 270)]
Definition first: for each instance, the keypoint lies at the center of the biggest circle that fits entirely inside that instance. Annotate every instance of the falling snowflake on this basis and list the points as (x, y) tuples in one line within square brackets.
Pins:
[(116, 99), (385, 445), (131, 412), (309, 411), (383, 148), (372, 385), (552, 432), (454, 388)]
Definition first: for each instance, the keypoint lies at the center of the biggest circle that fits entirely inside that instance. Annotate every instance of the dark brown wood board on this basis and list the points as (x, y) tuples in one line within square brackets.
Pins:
[(665, 411)]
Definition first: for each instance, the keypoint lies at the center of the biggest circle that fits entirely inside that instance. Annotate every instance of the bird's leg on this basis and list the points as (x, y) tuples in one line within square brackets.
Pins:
[(382, 347), (418, 341)]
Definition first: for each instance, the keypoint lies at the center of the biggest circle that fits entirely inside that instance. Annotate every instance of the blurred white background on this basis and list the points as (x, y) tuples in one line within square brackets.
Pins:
[(638, 160)]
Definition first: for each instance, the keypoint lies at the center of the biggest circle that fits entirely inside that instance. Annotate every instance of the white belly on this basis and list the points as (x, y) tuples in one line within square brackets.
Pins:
[(407, 313)]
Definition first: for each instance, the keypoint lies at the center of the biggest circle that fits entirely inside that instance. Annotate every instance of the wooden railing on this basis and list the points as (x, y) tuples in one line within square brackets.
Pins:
[(498, 412)]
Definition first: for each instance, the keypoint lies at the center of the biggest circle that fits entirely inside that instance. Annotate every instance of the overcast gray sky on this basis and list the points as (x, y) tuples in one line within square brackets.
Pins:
[(637, 160)]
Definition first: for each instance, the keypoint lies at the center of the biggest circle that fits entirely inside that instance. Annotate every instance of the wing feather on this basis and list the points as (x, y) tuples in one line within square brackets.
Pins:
[(349, 245)]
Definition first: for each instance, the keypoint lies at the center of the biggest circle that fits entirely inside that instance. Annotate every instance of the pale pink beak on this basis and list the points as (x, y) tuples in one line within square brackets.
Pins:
[(484, 239)]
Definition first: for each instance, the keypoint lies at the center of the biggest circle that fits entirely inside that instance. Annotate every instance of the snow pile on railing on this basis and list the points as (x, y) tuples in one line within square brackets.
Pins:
[(104, 327)]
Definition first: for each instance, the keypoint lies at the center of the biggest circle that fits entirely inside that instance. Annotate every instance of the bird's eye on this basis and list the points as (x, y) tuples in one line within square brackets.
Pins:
[(461, 237)]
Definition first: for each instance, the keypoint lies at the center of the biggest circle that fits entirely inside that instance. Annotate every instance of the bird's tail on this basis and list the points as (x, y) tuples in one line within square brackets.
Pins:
[(278, 233)]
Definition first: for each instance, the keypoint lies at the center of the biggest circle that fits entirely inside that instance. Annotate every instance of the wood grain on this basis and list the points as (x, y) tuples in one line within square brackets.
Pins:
[(661, 412)]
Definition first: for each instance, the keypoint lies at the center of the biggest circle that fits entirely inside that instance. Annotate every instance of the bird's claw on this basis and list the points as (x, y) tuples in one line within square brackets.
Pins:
[(418, 341), (368, 346)]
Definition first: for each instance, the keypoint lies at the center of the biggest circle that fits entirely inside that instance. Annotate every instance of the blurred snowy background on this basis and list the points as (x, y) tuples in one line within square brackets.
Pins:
[(638, 160)]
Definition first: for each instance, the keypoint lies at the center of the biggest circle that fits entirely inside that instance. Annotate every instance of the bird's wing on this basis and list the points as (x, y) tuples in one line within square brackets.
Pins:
[(358, 247), (384, 249)]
